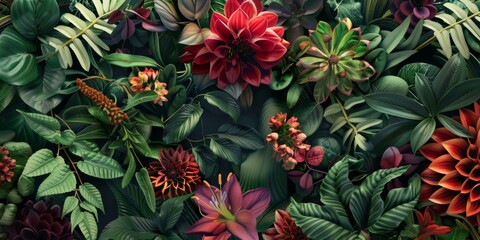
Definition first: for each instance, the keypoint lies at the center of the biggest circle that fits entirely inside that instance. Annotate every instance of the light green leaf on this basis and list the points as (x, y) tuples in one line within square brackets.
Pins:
[(76, 217), (128, 60), (139, 98), (145, 184), (61, 180), (69, 205), (100, 166), (91, 194), (42, 162), (88, 226), (45, 126)]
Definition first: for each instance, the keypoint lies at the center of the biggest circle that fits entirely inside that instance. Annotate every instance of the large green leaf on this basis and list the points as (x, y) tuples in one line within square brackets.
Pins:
[(318, 222), (145, 184), (129, 227), (453, 126), (366, 204), (34, 17), (61, 180), (347, 8), (460, 95), (394, 38), (132, 167), (45, 126), (50, 80), (18, 65), (453, 72), (7, 92), (310, 116), (206, 159), (100, 166), (170, 212), (182, 123), (396, 105), (399, 204), (410, 71), (227, 150), (225, 102), (91, 194), (42, 162), (422, 132), (425, 93), (7, 213), (336, 190), (244, 136)]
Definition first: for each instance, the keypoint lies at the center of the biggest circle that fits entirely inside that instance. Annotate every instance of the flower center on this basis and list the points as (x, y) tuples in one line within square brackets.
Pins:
[(238, 49), (333, 59), (419, 3)]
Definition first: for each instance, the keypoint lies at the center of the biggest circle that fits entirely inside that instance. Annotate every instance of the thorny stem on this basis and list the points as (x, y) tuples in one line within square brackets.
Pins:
[(428, 41), (75, 170)]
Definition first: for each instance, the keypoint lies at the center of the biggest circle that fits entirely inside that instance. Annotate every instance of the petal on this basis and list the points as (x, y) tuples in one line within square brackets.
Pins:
[(475, 193), (238, 21), (272, 18), (216, 67), (458, 204), (442, 196), (457, 147), (223, 31), (475, 173), (391, 158), (465, 166), (249, 8), (421, 12), (468, 118), (251, 75), (431, 177), (244, 226), (432, 150), (207, 224), (234, 194), (467, 186), (230, 7), (256, 201), (205, 195), (216, 45), (257, 26), (232, 72), (443, 164), (223, 236), (442, 134), (452, 181)]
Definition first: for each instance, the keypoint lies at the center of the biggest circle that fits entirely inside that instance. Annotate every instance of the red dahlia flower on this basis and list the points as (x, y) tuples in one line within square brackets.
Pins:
[(244, 46), (452, 180), (285, 228)]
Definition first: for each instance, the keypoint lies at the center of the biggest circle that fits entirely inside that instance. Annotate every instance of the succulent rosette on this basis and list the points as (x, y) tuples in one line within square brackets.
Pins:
[(332, 59), (244, 46)]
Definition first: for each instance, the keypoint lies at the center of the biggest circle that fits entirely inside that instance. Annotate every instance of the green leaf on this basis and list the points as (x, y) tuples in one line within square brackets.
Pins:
[(410, 71), (261, 170), (453, 72), (88, 226), (396, 134), (42, 162), (32, 18), (93, 132), (294, 93), (206, 159), (400, 202), (76, 217), (128, 60), (390, 84), (69, 205), (336, 190), (49, 81), (140, 98), (7, 92), (460, 95), (421, 133), (81, 146), (310, 115), (45, 126), (25, 186), (456, 233), (453, 126), (18, 65), (366, 204), (347, 8), (425, 93), (396, 105), (129, 227), (393, 59), (182, 123), (100, 166), (8, 213), (132, 167), (317, 222), (145, 184), (227, 150), (170, 212), (89, 208), (225, 102), (244, 136), (395, 37), (91, 194), (61, 180)]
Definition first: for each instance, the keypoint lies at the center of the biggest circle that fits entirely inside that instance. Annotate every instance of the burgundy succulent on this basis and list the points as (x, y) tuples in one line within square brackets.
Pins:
[(7, 166), (418, 9), (40, 220)]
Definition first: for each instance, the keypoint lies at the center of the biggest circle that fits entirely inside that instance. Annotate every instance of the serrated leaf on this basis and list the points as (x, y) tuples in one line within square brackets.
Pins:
[(225, 102), (88, 226), (100, 166), (182, 123), (61, 180), (145, 184), (91, 194), (244, 136), (227, 150), (69, 205), (41, 162)]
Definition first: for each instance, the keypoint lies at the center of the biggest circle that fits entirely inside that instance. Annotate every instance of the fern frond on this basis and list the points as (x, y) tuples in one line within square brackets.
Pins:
[(455, 22)]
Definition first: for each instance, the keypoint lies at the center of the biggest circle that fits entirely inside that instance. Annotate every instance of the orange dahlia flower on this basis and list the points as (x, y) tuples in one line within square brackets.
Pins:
[(452, 180)]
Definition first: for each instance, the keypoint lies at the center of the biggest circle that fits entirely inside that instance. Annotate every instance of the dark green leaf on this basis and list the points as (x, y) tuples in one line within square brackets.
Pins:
[(93, 132), (294, 93), (206, 159), (410, 71), (396, 134), (145, 184), (271, 107), (396, 105), (422, 132), (225, 102), (31, 17), (453, 126), (396, 58), (453, 72), (310, 115), (460, 95), (390, 84), (182, 123), (91, 194), (227, 150), (395, 37), (425, 93), (7, 92), (244, 136), (132, 167), (170, 212), (129, 227), (414, 37)]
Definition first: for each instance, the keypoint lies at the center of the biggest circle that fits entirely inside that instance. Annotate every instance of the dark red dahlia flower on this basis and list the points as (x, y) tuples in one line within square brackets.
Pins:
[(243, 47), (175, 174), (285, 228), (418, 9), (42, 221), (452, 180)]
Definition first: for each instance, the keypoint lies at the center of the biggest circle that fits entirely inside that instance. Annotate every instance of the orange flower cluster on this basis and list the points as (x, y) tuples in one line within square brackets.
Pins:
[(114, 113), (144, 82), (286, 139)]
